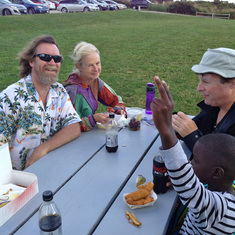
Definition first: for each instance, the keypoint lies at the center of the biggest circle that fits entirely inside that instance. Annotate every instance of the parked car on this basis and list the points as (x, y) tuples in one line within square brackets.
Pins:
[(76, 6), (90, 2), (135, 4), (8, 8), (119, 5), (56, 4), (22, 9), (112, 5), (102, 6), (32, 8), (48, 4)]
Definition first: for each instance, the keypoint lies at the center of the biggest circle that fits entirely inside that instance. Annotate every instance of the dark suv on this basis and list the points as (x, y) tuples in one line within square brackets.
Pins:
[(135, 4)]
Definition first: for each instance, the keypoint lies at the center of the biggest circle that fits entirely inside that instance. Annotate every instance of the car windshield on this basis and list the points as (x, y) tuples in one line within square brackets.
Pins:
[(5, 1), (28, 1), (82, 2)]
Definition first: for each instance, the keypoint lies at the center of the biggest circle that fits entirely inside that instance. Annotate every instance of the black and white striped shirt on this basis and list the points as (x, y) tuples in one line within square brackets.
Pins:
[(208, 212)]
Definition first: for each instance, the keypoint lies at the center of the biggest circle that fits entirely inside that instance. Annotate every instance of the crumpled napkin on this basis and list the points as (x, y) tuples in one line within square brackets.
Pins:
[(122, 121)]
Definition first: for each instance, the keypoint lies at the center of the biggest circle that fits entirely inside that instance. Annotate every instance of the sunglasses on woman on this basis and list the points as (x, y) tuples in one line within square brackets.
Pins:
[(47, 57)]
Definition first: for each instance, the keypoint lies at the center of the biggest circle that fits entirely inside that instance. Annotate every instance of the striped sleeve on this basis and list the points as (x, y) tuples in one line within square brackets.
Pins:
[(208, 212)]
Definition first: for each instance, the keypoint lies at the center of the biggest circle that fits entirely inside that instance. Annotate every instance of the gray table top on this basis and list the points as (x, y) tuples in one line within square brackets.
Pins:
[(54, 170), (89, 182), (154, 219)]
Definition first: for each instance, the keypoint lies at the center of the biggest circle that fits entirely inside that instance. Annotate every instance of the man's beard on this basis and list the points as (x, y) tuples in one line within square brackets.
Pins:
[(48, 79)]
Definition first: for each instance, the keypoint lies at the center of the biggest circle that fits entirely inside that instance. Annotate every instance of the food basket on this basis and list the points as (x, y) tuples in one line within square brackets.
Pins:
[(153, 195)]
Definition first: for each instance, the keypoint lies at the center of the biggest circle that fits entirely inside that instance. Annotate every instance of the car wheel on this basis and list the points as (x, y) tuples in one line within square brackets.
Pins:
[(86, 9), (100, 8), (134, 7), (6, 12), (64, 10), (31, 11)]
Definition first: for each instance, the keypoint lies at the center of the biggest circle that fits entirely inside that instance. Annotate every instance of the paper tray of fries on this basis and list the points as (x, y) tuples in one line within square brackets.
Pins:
[(152, 194)]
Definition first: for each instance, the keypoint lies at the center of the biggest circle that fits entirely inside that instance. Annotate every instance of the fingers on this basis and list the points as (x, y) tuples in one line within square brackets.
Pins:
[(176, 120), (182, 115), (164, 92), (179, 119), (101, 117)]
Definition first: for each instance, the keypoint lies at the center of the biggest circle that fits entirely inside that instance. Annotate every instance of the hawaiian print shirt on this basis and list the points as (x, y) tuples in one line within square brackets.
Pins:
[(25, 123)]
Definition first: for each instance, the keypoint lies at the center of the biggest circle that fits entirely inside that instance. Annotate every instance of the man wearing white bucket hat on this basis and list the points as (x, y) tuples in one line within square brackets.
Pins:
[(216, 73)]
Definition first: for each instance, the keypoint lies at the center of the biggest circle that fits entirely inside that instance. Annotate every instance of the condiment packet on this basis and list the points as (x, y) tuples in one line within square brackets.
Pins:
[(140, 181)]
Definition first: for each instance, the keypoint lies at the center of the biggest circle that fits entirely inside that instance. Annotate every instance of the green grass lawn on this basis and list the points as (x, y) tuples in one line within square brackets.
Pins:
[(135, 46)]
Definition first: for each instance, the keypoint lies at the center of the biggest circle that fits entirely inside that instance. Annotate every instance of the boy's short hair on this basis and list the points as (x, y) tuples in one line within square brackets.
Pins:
[(220, 149)]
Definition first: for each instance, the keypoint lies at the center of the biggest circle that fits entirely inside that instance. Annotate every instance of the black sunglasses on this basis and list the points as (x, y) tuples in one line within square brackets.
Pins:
[(47, 57)]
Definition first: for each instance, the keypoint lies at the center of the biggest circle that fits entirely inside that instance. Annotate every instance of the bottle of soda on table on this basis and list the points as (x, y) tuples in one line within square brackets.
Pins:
[(50, 222), (111, 134), (160, 174)]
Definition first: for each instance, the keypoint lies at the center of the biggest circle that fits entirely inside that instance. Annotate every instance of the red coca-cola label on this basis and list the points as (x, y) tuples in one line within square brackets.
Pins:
[(160, 169)]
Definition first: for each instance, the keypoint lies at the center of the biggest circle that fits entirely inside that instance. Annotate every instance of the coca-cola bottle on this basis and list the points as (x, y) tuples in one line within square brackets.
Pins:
[(50, 222), (160, 174), (111, 134)]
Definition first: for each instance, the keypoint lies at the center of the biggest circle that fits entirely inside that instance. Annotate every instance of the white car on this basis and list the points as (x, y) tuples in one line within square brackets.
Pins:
[(93, 2), (118, 5), (7, 8), (49, 4), (76, 6)]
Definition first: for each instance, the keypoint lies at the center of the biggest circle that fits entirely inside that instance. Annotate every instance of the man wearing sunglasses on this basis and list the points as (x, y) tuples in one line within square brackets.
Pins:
[(36, 113)]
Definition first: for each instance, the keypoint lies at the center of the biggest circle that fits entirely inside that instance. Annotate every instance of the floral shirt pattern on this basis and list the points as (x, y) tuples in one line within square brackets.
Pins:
[(24, 121)]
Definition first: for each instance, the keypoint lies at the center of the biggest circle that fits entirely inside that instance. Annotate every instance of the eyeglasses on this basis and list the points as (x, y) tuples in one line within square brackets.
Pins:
[(47, 57)]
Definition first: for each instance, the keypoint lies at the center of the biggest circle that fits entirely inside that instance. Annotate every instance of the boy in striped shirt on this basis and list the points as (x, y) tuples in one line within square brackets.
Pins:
[(210, 210)]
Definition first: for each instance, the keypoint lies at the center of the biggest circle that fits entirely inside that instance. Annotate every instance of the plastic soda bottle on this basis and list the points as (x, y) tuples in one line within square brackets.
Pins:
[(150, 93), (111, 134), (50, 222), (160, 175)]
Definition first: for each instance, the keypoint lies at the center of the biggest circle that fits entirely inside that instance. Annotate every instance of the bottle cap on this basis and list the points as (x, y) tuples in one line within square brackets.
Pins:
[(47, 195), (111, 115), (150, 86)]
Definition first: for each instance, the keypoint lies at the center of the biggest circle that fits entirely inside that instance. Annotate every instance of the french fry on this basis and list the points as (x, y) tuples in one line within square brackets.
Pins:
[(133, 224), (135, 220), (127, 216), (132, 217)]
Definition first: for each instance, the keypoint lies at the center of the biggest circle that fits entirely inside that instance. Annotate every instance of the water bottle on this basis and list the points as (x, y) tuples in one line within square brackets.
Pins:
[(160, 174), (150, 93), (111, 134), (50, 222)]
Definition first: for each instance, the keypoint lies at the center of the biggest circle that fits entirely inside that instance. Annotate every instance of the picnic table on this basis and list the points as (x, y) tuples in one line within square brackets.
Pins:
[(88, 185)]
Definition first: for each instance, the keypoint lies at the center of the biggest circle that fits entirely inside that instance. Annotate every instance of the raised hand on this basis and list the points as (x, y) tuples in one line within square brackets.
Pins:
[(162, 109)]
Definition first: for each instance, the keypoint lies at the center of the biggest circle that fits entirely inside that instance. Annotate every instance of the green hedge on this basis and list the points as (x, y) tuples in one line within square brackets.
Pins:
[(190, 8), (157, 7), (186, 8)]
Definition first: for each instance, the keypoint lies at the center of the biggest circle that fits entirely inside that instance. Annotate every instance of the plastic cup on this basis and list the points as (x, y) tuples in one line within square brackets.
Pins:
[(134, 115)]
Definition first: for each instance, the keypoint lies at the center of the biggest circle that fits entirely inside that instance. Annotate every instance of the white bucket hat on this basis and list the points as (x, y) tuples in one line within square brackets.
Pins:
[(220, 61)]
